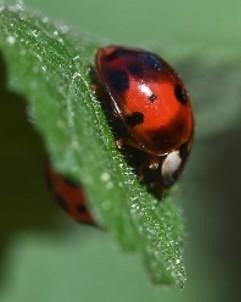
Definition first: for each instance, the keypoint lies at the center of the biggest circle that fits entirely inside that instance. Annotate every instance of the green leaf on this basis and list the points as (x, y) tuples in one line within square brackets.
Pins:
[(50, 66)]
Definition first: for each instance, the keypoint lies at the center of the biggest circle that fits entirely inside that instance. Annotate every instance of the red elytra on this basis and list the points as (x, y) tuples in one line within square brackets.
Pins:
[(148, 98)]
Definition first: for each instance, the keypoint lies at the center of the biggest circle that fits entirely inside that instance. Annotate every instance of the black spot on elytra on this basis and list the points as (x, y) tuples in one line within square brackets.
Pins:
[(81, 208), (136, 69), (134, 119), (180, 94), (152, 61), (184, 151), (152, 98), (118, 80), (61, 202)]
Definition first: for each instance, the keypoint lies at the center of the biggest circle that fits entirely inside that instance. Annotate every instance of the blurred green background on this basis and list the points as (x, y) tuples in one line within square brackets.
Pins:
[(44, 256)]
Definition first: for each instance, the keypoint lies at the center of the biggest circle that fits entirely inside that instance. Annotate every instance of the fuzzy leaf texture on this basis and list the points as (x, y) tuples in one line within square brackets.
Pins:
[(50, 67)]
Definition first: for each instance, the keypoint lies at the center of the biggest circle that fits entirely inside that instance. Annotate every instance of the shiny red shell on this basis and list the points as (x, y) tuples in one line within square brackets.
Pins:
[(149, 97)]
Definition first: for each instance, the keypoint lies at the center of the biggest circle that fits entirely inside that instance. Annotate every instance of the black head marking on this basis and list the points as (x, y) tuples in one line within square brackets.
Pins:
[(81, 208), (180, 94), (134, 119), (152, 98), (118, 80)]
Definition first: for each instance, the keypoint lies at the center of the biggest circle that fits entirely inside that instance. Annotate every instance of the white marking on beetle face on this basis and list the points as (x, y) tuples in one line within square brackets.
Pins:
[(170, 165), (146, 90)]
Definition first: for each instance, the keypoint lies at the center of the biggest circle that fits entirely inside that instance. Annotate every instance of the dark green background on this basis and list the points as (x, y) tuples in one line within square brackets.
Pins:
[(45, 256)]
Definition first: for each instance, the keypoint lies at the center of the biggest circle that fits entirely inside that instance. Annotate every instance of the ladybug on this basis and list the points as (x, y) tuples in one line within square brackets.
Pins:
[(150, 113)]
